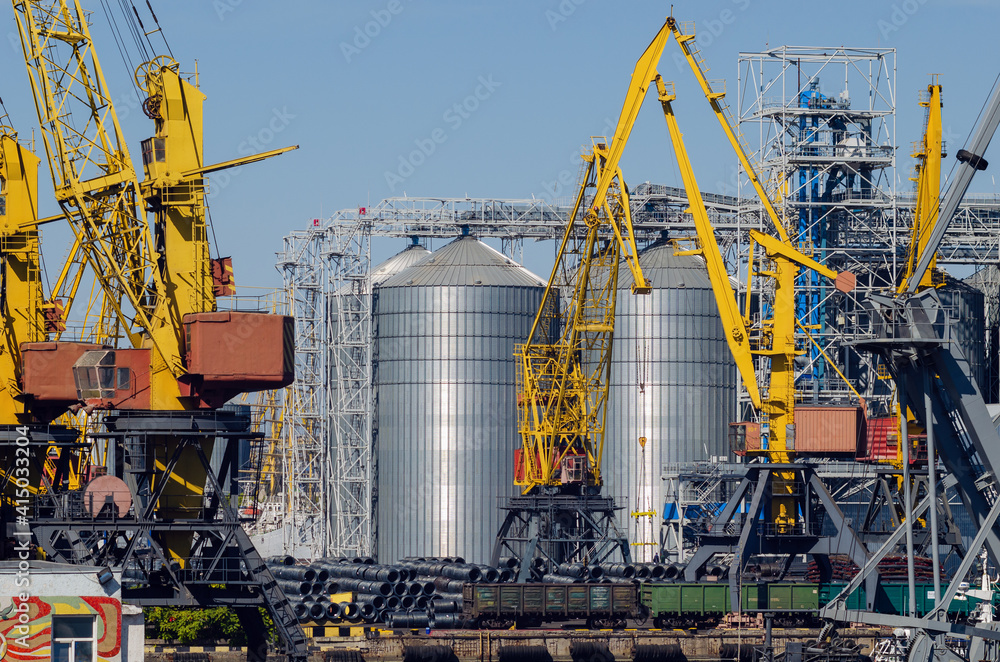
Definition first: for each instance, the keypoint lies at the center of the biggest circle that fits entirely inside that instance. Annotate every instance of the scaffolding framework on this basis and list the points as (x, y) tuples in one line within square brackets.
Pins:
[(351, 403), (821, 123), (306, 412)]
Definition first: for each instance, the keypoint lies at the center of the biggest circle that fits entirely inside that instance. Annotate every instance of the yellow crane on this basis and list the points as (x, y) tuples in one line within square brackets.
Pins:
[(781, 262), (158, 281), (27, 319), (779, 494), (563, 368), (928, 153), (558, 428)]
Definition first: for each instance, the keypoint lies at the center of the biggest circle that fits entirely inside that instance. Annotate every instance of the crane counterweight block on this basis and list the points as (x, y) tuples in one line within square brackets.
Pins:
[(845, 282)]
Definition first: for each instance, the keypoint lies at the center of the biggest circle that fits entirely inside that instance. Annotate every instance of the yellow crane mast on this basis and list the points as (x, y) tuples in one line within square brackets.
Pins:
[(26, 320), (928, 153), (563, 368)]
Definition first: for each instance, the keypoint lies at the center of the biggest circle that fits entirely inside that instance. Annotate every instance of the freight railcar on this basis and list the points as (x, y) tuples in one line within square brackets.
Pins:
[(671, 605), (530, 605), (792, 603)]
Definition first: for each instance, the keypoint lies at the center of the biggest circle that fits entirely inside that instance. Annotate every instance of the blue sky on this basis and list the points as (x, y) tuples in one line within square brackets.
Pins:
[(548, 74)]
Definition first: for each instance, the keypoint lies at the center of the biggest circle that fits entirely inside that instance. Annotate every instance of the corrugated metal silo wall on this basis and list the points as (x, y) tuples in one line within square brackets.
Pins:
[(966, 308), (672, 341), (446, 414)]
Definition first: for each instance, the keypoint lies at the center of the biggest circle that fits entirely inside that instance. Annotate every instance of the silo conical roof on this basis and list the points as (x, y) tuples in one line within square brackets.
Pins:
[(665, 270), (464, 261), (407, 257)]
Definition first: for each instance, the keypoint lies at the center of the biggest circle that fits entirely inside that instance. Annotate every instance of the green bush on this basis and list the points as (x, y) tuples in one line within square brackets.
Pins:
[(184, 625)]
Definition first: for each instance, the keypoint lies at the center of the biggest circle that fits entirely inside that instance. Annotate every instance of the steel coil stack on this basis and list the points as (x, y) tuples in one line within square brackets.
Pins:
[(413, 593), (422, 592)]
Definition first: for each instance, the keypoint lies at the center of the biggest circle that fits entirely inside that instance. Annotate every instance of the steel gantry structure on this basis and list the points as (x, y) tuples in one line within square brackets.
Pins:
[(325, 268), (329, 476)]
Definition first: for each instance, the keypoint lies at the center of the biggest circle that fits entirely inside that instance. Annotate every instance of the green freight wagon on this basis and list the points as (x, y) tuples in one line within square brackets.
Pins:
[(683, 605), (895, 599), (789, 597), (504, 605)]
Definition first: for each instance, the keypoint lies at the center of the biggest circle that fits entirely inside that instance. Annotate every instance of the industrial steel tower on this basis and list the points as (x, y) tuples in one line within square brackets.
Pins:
[(822, 124)]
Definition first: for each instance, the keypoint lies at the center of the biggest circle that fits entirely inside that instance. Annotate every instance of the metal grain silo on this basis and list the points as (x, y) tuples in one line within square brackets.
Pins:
[(446, 418), (673, 381)]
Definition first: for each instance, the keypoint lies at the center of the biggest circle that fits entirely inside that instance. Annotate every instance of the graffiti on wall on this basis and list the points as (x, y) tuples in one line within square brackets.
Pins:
[(26, 627)]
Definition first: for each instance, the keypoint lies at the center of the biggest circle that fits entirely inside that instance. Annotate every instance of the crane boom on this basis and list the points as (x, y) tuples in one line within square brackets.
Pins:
[(95, 183), (563, 401), (733, 324), (970, 161)]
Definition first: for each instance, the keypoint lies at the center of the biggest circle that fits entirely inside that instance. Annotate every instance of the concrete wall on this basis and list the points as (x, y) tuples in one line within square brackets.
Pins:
[(133, 634)]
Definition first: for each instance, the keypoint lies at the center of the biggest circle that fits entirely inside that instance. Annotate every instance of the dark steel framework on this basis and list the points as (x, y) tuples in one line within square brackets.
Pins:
[(224, 568), (559, 529)]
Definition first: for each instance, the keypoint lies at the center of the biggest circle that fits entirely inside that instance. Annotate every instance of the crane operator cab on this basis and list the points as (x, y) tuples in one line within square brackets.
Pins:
[(226, 353), (113, 378)]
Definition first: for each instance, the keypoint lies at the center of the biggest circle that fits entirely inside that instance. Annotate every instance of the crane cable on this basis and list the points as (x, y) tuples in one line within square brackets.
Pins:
[(145, 51), (122, 49), (138, 32), (643, 507), (159, 28), (143, 46)]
